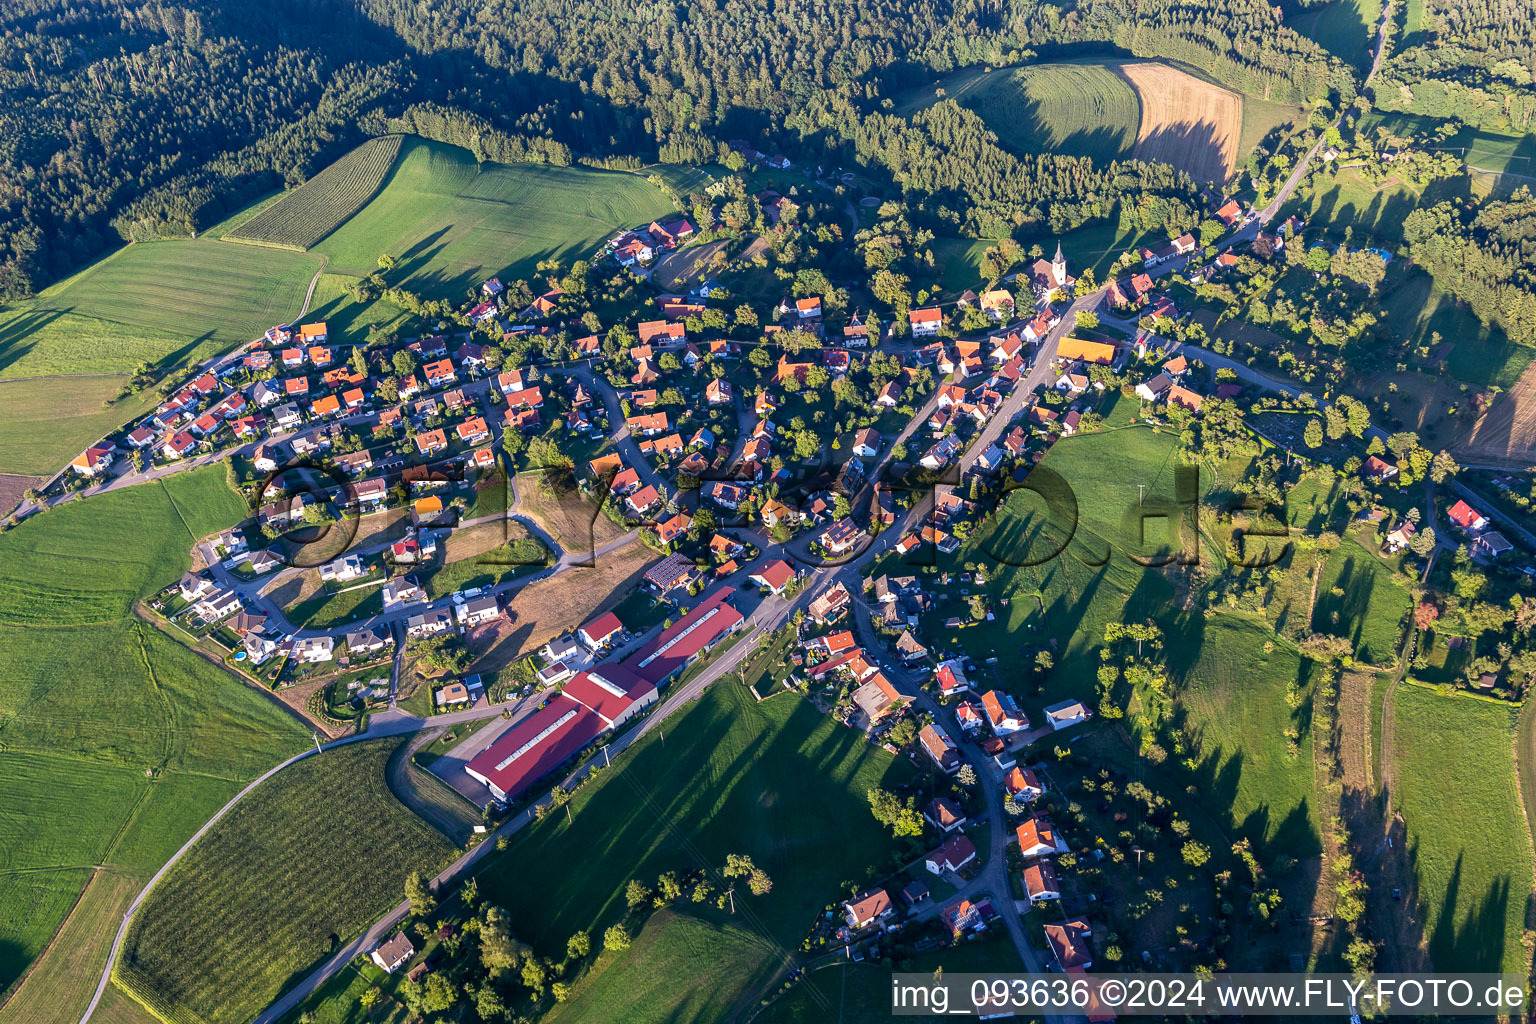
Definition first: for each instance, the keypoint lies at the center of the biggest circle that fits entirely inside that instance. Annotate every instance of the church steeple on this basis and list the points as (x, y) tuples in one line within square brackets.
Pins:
[(1059, 265)]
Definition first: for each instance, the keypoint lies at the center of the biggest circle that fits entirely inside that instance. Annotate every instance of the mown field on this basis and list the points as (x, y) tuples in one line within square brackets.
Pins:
[(1077, 109), (1234, 695), (1456, 789), (313, 210), (315, 854), (453, 222), (45, 423), (670, 974), (115, 741), (210, 293), (36, 342), (775, 780)]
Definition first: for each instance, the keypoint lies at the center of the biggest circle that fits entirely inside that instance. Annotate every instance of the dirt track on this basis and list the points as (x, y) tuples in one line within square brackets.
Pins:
[(1190, 124)]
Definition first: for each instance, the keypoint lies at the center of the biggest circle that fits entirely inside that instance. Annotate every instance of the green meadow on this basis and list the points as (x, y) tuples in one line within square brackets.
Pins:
[(1075, 109), (208, 294), (775, 780), (44, 423), (453, 222), (1359, 598), (115, 741), (1456, 789), (1347, 28)]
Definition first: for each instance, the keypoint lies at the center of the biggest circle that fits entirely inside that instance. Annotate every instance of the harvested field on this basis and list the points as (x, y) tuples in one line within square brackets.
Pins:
[(1190, 124), (550, 607), (568, 516), (1355, 730), (316, 208), (12, 488), (1508, 429)]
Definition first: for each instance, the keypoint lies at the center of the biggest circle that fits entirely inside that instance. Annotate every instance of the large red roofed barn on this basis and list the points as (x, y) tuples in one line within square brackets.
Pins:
[(593, 702), (693, 634)]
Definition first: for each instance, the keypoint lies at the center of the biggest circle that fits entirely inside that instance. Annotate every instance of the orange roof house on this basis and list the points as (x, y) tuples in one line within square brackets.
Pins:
[(1087, 351)]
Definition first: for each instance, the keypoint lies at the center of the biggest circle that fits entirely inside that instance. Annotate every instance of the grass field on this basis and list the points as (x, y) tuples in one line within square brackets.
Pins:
[(37, 342), (775, 780), (116, 742), (1371, 608), (88, 561), (45, 423), (322, 609), (335, 303), (1469, 852), (316, 208), (453, 222), (1350, 201), (671, 974), (315, 853), (1417, 308), (1234, 696), (58, 987), (1346, 28), (860, 993), (1077, 109), (210, 293)]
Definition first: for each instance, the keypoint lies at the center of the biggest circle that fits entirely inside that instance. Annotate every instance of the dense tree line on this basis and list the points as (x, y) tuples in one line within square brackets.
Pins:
[(948, 153), (1473, 60), (120, 120), (1486, 258)]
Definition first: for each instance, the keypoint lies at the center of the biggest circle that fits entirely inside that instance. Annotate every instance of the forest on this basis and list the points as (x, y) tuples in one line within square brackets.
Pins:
[(1487, 258), (126, 121), (1473, 61)]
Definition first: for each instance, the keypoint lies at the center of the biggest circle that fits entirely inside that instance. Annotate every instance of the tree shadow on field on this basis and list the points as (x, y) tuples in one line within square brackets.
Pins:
[(14, 335), (1190, 146), (1102, 142), (1477, 942)]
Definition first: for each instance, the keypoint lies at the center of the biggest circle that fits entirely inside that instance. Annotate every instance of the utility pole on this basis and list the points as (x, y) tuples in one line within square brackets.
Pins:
[(1140, 488)]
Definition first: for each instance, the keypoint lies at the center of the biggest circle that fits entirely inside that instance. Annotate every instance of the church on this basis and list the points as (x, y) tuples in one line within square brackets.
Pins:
[(1047, 277)]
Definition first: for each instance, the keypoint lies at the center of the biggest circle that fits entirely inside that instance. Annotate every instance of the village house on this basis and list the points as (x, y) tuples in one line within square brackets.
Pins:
[(1022, 784), (1041, 883), (1067, 945), (1467, 517), (313, 650), (1067, 713), (925, 323), (92, 462), (1037, 837), (1003, 714), (940, 748), (955, 853), (394, 953), (944, 814), (867, 908)]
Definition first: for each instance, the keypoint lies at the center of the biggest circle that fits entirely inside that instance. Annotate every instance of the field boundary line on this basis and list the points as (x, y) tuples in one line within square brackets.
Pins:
[(21, 979)]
